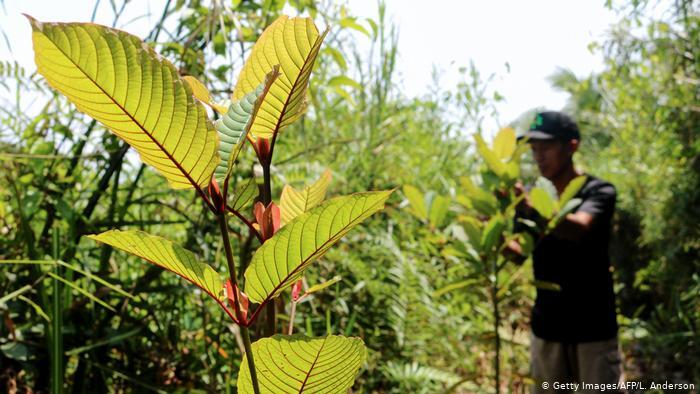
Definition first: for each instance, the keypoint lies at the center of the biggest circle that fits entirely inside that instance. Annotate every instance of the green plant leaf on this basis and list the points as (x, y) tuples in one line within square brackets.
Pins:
[(233, 126), (492, 160), (351, 23), (342, 80), (36, 307), (245, 195), (439, 207), (293, 43), (201, 93), (547, 185), (492, 233), (321, 286), (167, 255), (512, 170), (299, 364), (543, 202), (454, 286), (504, 143), (82, 291), (337, 57), (417, 201), (571, 189), (542, 284), (121, 82), (569, 207), (282, 259), (472, 228), (477, 198), (294, 203)]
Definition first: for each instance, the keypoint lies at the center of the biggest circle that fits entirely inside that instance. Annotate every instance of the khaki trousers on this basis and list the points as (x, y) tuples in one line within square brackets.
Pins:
[(554, 364)]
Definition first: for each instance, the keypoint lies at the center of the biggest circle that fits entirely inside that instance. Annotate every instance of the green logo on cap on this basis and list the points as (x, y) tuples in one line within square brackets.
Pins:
[(537, 122)]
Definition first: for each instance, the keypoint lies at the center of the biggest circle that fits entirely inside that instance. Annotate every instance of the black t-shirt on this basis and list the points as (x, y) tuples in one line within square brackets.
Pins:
[(583, 310)]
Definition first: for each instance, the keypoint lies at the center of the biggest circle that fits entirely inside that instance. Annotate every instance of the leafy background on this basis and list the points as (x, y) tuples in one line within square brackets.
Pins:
[(62, 174)]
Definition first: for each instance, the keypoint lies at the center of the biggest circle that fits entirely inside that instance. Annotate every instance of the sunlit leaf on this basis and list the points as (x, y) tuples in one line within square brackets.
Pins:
[(512, 170), (293, 202), (492, 160), (542, 202), (416, 200), (282, 259), (121, 82), (547, 185), (299, 364), (572, 189), (504, 143), (202, 94), (293, 43), (167, 255)]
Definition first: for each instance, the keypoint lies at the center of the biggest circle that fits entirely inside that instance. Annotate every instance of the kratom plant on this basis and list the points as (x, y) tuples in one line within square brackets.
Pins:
[(486, 223), (124, 84)]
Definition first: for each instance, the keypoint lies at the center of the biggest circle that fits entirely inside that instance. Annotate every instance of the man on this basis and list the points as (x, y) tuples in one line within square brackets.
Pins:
[(573, 321)]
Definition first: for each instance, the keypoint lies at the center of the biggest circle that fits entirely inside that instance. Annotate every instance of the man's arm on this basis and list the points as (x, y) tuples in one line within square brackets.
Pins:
[(599, 203), (574, 226)]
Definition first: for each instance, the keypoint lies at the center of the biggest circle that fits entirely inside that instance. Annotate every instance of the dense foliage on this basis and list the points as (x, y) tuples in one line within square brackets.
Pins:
[(423, 309)]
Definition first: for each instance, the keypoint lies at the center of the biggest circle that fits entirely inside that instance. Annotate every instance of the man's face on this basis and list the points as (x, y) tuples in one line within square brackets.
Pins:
[(552, 156)]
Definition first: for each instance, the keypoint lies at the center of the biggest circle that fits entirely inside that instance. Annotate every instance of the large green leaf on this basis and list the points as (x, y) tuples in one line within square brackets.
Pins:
[(571, 189), (490, 157), (167, 255), (233, 126), (416, 200), (299, 364), (282, 259), (504, 143), (293, 202), (121, 82), (543, 202), (293, 43)]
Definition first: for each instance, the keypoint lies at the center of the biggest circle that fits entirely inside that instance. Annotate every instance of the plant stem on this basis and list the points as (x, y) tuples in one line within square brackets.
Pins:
[(57, 322), (249, 356), (236, 306), (496, 324), (270, 314), (291, 318)]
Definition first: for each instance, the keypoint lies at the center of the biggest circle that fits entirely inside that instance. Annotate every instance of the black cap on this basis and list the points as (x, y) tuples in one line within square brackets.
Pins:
[(552, 125)]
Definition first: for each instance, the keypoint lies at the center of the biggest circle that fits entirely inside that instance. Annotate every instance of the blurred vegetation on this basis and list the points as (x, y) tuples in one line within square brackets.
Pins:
[(63, 175)]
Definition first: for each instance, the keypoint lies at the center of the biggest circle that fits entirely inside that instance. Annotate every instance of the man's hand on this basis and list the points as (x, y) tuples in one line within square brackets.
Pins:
[(524, 205), (514, 252)]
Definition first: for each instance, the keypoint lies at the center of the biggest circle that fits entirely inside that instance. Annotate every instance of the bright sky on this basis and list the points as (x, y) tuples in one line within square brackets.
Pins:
[(533, 37)]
